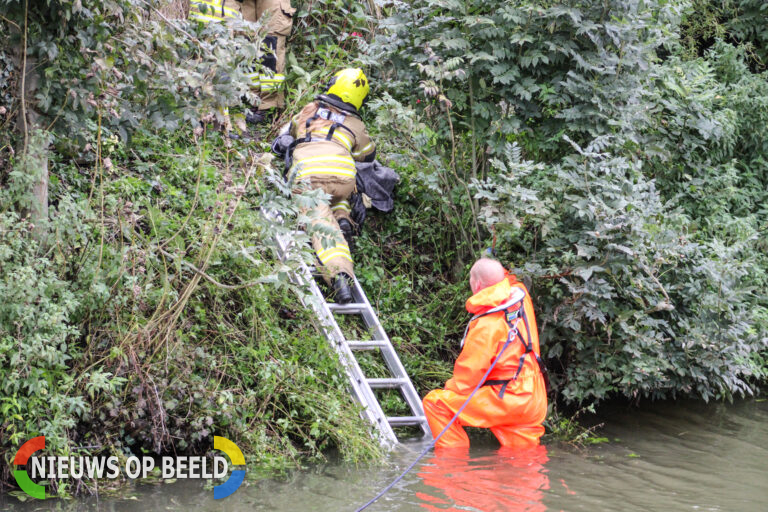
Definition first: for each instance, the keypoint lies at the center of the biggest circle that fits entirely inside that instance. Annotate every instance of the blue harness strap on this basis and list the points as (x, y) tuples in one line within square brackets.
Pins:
[(512, 334)]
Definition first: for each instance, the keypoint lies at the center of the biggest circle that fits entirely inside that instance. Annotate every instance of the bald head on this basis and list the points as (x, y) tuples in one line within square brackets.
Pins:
[(484, 273)]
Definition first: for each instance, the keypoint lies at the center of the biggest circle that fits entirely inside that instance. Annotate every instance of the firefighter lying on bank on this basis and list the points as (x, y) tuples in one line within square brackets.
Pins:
[(330, 137), (513, 399)]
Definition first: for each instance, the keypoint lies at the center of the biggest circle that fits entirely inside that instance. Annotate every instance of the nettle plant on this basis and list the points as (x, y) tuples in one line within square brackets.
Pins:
[(124, 61), (528, 70)]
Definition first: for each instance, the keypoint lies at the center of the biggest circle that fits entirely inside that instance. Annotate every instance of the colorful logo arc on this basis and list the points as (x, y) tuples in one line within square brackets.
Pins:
[(238, 475), (21, 459)]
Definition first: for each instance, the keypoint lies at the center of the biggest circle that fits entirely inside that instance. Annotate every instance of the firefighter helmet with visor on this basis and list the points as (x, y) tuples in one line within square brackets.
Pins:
[(350, 85)]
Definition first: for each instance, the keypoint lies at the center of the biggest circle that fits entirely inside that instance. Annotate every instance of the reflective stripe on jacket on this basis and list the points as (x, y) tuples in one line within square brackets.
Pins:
[(325, 164)]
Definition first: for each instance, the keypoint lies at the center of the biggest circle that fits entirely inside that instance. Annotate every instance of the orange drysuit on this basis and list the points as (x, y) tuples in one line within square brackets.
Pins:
[(509, 480), (514, 414)]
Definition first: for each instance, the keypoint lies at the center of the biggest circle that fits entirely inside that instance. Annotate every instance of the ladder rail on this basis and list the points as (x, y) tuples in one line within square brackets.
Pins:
[(371, 320), (328, 325), (363, 392), (361, 387)]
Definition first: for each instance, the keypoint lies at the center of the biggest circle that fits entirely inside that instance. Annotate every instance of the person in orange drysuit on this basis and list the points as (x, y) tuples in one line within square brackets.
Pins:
[(513, 400)]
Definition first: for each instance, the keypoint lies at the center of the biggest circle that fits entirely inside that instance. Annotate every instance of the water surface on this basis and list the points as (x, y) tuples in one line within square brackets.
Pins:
[(670, 456)]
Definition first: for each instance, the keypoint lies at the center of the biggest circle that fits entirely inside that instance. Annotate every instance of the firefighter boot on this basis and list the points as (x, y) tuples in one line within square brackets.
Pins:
[(256, 116), (341, 290), (348, 231)]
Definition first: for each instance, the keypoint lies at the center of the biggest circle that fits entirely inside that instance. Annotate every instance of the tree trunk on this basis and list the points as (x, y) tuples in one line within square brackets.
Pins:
[(35, 164), (33, 161)]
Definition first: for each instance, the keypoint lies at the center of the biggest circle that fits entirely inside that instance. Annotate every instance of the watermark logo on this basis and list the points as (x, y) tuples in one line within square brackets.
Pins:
[(238, 475), (77, 467), (21, 475)]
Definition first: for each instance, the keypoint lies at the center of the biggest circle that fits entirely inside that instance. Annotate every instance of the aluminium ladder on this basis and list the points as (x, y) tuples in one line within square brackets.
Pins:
[(361, 386)]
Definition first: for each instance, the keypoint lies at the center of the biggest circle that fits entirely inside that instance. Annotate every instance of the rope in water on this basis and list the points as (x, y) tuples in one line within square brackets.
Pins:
[(510, 337)]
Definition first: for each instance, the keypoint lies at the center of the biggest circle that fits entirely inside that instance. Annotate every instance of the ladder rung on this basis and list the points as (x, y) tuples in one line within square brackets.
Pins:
[(348, 309), (366, 345), (386, 383), (402, 421)]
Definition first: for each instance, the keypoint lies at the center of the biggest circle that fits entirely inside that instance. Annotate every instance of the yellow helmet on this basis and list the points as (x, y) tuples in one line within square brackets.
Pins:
[(351, 85)]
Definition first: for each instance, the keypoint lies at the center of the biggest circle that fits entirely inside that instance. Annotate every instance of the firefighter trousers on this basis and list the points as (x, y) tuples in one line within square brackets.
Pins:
[(279, 21), (332, 251)]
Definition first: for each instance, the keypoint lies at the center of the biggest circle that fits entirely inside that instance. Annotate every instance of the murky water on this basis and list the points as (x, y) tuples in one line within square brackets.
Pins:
[(661, 457)]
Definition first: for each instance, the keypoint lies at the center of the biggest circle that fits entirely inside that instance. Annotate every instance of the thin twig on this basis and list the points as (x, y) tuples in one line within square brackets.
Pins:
[(456, 174), (557, 276), (24, 78), (170, 22), (208, 277), (453, 206), (194, 201), (100, 169), (11, 22), (58, 114), (655, 280)]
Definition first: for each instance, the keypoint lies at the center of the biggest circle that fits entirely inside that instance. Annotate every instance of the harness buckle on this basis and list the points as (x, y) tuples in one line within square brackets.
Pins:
[(510, 316), (328, 115)]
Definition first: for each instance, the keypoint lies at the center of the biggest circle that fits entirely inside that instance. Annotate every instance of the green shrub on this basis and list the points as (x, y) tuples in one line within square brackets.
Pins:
[(627, 190)]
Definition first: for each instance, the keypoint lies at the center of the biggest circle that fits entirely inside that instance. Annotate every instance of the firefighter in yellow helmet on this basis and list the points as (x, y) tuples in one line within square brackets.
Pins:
[(330, 137), (279, 20)]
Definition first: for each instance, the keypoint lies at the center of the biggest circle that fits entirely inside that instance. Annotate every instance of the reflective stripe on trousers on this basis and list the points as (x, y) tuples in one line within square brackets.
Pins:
[(214, 10), (328, 165), (330, 247), (340, 250), (341, 205), (266, 83)]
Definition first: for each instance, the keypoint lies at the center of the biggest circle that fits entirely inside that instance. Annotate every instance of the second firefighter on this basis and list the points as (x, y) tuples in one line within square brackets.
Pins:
[(330, 137)]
